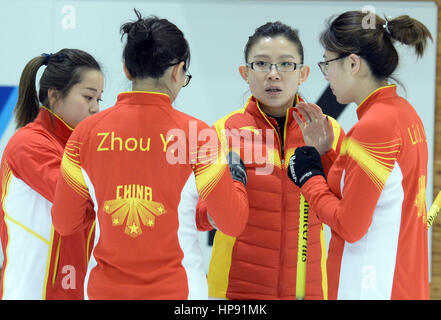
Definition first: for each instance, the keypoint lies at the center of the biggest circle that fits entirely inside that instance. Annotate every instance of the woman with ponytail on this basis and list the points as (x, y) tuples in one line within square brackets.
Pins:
[(374, 197), (132, 163), (39, 263)]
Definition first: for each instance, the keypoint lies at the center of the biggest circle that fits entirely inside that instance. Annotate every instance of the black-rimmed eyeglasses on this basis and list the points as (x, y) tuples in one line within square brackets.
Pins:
[(323, 65), (263, 66), (187, 80), (187, 76)]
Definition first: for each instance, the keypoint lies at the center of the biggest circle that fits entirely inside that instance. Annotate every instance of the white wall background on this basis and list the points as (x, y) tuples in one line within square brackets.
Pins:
[(217, 33)]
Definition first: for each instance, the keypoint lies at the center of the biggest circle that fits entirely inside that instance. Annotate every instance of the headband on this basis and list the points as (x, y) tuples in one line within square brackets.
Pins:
[(46, 56)]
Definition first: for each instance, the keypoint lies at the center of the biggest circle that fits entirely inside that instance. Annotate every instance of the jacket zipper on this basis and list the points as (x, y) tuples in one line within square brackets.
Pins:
[(282, 212)]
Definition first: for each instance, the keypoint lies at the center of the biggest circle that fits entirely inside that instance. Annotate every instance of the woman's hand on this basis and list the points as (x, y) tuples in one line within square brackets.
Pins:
[(316, 129)]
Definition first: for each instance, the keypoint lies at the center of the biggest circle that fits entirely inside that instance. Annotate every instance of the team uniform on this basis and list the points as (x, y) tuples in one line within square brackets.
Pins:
[(38, 263), (375, 204), (134, 164), (261, 263)]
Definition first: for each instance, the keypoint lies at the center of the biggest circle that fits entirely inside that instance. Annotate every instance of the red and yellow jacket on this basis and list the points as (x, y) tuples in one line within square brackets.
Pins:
[(133, 164), (375, 204), (39, 263), (261, 263)]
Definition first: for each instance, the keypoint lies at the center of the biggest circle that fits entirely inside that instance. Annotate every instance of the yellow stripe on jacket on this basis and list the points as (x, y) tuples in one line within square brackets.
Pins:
[(71, 170), (220, 264)]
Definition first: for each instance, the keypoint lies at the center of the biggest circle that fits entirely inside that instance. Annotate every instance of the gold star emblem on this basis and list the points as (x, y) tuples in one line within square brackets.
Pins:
[(132, 212), (133, 228)]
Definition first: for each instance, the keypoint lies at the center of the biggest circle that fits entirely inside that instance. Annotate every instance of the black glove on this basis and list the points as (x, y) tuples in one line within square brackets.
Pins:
[(237, 168), (304, 164)]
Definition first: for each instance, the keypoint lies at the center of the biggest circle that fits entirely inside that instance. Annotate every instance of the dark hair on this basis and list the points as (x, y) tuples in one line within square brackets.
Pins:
[(64, 69), (273, 29), (153, 45), (347, 34)]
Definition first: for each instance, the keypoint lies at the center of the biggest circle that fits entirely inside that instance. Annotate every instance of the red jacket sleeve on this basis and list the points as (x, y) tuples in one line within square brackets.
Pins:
[(72, 193), (225, 198), (366, 171), (202, 222), (337, 213), (35, 159), (329, 157)]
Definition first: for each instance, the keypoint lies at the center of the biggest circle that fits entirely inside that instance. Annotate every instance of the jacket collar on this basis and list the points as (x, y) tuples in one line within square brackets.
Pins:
[(54, 124), (254, 108), (378, 94), (144, 98)]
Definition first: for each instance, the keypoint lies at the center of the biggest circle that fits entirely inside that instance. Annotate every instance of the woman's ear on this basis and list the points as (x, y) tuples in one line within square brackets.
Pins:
[(243, 70), (355, 63), (52, 96), (126, 72), (177, 71), (304, 73)]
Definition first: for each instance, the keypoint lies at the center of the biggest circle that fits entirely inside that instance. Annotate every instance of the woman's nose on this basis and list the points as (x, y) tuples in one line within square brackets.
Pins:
[(273, 73)]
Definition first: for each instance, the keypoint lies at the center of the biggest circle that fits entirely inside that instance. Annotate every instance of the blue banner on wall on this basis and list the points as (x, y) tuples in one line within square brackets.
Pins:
[(8, 100)]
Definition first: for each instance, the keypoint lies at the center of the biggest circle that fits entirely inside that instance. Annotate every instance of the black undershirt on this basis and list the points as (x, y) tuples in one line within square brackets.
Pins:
[(281, 125)]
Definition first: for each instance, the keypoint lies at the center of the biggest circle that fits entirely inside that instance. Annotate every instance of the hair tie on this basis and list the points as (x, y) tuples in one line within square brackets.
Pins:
[(46, 56), (385, 26)]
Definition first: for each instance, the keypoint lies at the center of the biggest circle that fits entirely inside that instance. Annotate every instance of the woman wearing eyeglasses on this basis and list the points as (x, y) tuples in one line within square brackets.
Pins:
[(374, 197), (264, 261), (131, 166)]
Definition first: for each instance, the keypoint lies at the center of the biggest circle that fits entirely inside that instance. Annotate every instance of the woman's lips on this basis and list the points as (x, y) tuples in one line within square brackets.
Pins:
[(273, 91)]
